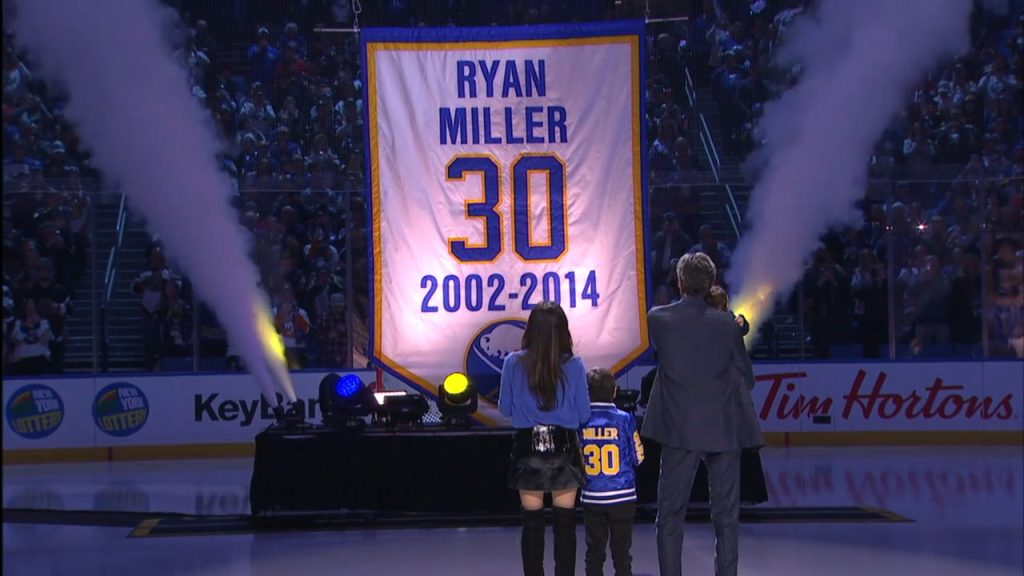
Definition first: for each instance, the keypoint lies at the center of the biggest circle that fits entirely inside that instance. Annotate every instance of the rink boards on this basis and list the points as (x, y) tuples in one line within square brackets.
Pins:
[(137, 416)]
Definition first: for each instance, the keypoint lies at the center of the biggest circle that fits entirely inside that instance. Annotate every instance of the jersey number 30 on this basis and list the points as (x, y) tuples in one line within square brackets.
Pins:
[(601, 459)]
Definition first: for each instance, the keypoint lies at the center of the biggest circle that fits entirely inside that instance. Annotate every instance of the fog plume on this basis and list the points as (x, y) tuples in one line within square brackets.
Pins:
[(131, 103), (859, 61)]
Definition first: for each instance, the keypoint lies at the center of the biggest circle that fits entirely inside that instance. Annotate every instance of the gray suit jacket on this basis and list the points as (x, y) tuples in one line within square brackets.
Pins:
[(701, 397)]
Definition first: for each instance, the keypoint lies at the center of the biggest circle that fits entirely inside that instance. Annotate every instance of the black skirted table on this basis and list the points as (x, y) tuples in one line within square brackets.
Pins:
[(321, 470)]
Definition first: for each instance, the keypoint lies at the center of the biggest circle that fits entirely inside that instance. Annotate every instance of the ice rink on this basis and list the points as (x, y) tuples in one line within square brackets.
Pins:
[(966, 505)]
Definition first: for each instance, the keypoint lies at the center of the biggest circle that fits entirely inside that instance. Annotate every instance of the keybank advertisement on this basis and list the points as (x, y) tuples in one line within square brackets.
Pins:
[(213, 409), (140, 410)]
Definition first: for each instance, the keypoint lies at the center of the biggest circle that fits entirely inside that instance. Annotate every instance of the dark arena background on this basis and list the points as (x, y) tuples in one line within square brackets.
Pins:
[(263, 262)]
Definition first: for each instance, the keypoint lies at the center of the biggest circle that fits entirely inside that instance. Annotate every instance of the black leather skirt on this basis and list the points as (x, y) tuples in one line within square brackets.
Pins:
[(546, 458)]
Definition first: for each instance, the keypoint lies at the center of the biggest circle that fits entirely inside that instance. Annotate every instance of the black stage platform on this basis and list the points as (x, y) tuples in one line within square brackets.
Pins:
[(319, 470)]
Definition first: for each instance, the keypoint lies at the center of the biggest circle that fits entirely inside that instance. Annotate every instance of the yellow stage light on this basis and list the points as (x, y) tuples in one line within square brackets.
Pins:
[(455, 383), (457, 400)]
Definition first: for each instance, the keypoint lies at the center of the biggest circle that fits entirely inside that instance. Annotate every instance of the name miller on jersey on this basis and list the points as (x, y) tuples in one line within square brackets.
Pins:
[(600, 434)]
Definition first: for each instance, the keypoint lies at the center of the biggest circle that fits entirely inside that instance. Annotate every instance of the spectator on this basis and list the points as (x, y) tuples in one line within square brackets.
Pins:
[(197, 62), (935, 238), (352, 177), (966, 303), (1006, 313), (292, 71), (262, 58), (869, 288), (664, 294), (202, 38), (660, 156), (826, 288), (259, 110), (283, 148), (149, 287), (52, 303), (919, 151), (8, 300), (718, 251), (16, 76), (290, 37), (322, 159), (930, 295), (53, 248), (669, 245), (30, 337), (291, 226), (290, 114), (321, 285), (293, 325), (78, 202), (1007, 320), (175, 317), (20, 162), (294, 175), (1007, 280), (320, 252), (333, 333), (997, 81), (685, 160)]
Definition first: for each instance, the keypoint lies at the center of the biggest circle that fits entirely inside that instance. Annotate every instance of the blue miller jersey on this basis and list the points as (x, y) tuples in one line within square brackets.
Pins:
[(611, 453)]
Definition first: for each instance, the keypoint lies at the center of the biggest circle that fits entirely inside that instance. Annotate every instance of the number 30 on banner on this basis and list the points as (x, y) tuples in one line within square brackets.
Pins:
[(486, 208)]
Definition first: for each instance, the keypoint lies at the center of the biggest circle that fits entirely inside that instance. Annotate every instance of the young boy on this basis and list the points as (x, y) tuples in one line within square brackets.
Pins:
[(719, 298), (611, 453)]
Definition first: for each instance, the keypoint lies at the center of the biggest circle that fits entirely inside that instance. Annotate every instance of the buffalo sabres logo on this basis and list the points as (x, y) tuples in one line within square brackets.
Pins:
[(486, 354)]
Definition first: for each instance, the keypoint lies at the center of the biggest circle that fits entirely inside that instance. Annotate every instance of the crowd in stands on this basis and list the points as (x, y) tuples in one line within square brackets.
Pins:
[(947, 189), (291, 105), (293, 111), (47, 185)]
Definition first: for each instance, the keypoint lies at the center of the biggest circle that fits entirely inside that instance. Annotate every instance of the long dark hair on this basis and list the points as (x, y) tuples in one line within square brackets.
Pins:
[(548, 344)]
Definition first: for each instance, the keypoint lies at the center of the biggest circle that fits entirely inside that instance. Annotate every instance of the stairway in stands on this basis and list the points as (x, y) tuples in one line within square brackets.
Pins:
[(79, 325), (786, 341), (124, 319), (121, 310)]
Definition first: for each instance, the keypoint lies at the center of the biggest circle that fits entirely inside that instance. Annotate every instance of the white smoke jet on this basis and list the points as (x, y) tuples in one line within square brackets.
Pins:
[(859, 60), (130, 100)]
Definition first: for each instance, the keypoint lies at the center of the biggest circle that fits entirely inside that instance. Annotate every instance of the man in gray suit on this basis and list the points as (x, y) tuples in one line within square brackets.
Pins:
[(700, 409)]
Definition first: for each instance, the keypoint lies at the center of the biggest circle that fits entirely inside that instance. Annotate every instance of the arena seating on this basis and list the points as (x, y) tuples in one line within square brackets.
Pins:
[(946, 175)]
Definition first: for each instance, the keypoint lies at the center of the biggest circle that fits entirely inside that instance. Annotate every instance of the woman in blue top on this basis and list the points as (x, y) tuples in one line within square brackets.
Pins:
[(544, 391)]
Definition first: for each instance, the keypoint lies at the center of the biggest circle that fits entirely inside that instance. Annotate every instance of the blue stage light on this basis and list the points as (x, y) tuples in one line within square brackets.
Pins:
[(345, 401), (349, 385)]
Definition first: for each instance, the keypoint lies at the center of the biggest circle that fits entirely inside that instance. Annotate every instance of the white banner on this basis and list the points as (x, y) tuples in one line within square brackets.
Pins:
[(503, 173)]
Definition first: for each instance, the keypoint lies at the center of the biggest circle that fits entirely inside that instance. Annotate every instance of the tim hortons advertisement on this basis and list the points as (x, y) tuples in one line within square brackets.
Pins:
[(889, 396)]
